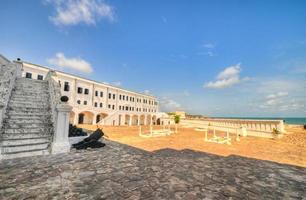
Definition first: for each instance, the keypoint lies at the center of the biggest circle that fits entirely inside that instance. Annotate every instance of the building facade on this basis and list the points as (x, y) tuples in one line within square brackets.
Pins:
[(99, 103)]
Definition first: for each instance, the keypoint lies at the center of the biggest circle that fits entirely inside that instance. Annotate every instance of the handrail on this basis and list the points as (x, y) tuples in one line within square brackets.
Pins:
[(8, 74), (55, 94), (268, 126), (109, 117)]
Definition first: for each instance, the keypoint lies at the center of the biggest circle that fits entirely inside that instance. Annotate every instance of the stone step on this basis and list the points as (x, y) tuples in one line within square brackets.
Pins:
[(28, 94), (16, 136), (28, 110), (45, 130), (28, 103), (25, 116), (15, 106), (24, 148), (31, 90), (32, 120), (40, 152), (25, 141), (26, 125), (29, 99)]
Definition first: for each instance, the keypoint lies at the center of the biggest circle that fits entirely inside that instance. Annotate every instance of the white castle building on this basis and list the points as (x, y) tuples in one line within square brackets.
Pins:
[(99, 103), (34, 119)]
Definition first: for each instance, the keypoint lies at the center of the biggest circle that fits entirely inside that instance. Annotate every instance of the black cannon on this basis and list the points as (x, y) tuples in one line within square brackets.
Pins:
[(92, 141)]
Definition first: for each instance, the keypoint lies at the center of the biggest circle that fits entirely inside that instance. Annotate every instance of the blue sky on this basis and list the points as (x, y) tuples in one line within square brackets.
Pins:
[(216, 58)]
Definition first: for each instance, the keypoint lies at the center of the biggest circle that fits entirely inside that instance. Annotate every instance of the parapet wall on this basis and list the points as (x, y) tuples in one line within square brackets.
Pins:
[(258, 128)]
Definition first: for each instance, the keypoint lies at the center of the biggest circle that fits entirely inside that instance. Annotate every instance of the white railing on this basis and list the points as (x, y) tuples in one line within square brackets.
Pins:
[(55, 94), (8, 74), (108, 120), (261, 128)]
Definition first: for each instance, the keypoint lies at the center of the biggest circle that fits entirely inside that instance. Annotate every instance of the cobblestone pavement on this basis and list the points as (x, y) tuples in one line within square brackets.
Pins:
[(118, 171)]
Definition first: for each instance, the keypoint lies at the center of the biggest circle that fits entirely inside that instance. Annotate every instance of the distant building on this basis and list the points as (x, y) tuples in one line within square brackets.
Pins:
[(182, 114)]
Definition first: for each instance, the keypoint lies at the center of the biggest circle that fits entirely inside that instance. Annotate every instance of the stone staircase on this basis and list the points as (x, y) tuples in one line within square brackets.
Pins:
[(27, 127)]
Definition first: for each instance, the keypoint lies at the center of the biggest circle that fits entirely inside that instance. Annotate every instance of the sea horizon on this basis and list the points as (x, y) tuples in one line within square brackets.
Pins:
[(287, 120)]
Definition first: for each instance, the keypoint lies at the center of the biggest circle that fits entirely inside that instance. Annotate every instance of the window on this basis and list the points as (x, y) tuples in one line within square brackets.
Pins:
[(40, 77), (126, 108), (79, 102), (28, 75), (96, 93), (101, 94), (109, 106), (120, 97), (66, 86), (80, 90), (114, 96), (96, 104), (113, 107), (123, 97), (101, 105), (85, 102), (119, 107), (127, 98), (131, 99), (86, 91), (109, 95)]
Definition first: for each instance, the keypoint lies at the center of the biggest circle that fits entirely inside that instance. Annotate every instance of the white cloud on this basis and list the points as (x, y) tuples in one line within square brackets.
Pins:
[(228, 77), (169, 105), (73, 12), (76, 64), (209, 46), (117, 83), (147, 92), (279, 101), (277, 95)]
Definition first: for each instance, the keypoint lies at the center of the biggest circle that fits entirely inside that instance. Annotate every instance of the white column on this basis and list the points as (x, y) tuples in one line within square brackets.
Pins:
[(75, 119), (60, 141), (94, 120)]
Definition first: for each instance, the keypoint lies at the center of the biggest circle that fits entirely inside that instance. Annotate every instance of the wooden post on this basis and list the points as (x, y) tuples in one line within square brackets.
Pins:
[(227, 137), (139, 130), (151, 130)]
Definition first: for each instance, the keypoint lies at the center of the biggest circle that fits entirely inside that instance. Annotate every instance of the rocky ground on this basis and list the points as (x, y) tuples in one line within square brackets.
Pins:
[(119, 171)]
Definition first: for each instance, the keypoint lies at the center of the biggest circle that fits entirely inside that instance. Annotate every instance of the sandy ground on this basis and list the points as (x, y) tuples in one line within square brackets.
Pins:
[(290, 149)]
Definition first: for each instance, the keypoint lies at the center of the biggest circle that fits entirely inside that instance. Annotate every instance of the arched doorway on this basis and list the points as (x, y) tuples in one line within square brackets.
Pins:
[(142, 120), (158, 121), (86, 117), (100, 117), (81, 118), (135, 120), (127, 119), (154, 120), (148, 120)]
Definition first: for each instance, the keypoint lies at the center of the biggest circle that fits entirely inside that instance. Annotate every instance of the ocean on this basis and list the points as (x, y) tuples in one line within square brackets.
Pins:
[(287, 120)]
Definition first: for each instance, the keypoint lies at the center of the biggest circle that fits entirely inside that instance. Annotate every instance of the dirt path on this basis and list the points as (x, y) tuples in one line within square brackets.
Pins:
[(291, 149)]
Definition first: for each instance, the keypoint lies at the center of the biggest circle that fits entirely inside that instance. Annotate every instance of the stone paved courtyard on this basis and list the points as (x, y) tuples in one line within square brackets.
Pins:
[(119, 171)]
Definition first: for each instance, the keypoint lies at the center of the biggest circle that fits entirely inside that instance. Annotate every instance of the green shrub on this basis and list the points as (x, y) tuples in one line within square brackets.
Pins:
[(177, 119), (275, 131)]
